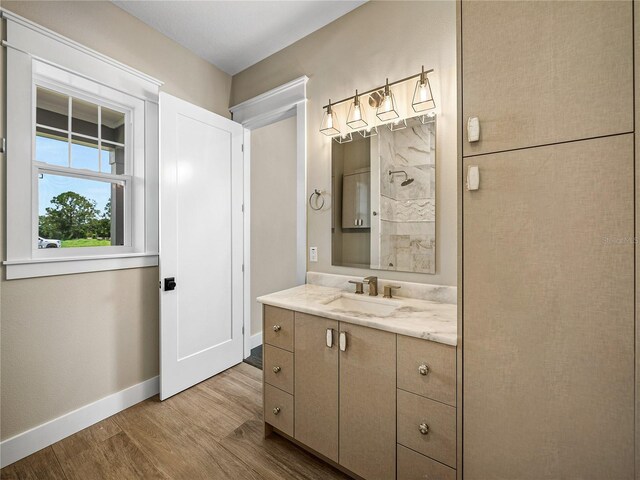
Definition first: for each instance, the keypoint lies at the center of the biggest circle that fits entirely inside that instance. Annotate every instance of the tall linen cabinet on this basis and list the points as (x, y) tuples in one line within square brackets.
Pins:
[(548, 280)]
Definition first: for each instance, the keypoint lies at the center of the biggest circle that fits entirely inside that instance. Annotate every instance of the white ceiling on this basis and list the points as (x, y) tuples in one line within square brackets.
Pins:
[(233, 35)]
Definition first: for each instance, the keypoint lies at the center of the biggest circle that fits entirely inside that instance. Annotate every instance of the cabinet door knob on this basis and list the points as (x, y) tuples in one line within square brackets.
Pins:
[(423, 369), (276, 369), (276, 410), (424, 428), (277, 328)]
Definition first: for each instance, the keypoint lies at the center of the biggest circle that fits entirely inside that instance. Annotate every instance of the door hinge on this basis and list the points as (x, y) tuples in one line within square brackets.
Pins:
[(243, 268), (243, 208), (243, 147), (243, 329), (159, 283)]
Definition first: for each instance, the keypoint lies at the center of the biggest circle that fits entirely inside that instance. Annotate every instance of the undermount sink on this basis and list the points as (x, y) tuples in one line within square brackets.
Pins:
[(362, 304)]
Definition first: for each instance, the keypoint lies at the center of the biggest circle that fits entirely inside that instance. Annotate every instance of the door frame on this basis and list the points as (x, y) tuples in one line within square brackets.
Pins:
[(287, 100)]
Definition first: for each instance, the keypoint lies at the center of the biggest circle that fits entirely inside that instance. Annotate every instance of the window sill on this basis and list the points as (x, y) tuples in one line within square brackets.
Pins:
[(16, 269)]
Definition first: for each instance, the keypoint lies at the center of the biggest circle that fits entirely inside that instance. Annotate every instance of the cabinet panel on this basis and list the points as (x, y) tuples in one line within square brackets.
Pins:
[(438, 380), (438, 441), (316, 383), (278, 409), (368, 402), (548, 313), (278, 327), (413, 466), (278, 368), (569, 75)]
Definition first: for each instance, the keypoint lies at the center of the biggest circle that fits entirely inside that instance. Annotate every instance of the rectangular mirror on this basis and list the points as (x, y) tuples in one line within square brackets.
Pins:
[(384, 199)]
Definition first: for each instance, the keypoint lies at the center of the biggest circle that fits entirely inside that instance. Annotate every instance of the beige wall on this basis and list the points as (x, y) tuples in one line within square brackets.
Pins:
[(359, 50), (69, 340), (273, 212)]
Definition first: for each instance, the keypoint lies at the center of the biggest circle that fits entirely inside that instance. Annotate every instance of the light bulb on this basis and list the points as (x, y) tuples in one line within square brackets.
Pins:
[(330, 121), (423, 92), (387, 103), (357, 114)]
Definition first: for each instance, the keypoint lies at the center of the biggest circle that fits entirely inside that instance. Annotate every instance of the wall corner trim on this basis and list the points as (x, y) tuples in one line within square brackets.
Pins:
[(37, 438)]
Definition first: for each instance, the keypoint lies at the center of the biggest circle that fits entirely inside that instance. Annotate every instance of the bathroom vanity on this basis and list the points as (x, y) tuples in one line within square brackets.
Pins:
[(366, 383)]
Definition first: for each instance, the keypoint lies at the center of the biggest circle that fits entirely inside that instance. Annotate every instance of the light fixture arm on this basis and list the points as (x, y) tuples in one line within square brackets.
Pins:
[(423, 72)]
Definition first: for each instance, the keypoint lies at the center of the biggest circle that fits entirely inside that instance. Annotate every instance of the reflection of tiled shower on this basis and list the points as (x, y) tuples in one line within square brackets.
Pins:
[(407, 209)]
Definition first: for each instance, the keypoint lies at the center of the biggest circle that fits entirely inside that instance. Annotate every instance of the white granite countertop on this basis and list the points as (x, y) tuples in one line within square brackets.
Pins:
[(412, 317)]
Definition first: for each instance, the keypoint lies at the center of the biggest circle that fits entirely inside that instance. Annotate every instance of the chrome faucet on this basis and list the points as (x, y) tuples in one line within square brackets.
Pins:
[(373, 285)]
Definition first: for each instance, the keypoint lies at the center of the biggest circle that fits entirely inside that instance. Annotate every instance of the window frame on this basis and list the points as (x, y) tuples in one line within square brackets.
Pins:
[(38, 56)]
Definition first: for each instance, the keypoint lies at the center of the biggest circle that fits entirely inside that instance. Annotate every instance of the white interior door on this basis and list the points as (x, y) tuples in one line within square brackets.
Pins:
[(201, 244)]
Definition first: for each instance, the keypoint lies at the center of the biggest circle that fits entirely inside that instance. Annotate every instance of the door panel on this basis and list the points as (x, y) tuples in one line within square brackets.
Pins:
[(316, 384), (368, 402), (570, 72), (201, 242), (548, 313)]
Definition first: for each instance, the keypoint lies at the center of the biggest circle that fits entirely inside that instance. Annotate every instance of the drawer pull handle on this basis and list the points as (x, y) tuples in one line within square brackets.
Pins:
[(276, 369), (276, 410), (277, 328), (424, 428), (423, 369)]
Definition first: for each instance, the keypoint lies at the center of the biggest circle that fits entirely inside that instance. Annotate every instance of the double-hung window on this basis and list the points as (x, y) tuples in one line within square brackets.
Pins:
[(82, 168), (82, 158)]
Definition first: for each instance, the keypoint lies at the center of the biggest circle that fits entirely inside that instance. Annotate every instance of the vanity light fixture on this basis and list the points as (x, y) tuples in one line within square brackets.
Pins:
[(423, 96), (346, 138), (387, 109), (329, 125), (397, 125), (356, 119)]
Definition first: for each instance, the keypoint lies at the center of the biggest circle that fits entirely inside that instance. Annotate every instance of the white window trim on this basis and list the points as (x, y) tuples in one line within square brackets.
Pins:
[(37, 56)]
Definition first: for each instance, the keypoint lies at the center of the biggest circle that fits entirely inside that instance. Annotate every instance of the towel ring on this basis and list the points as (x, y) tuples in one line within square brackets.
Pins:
[(318, 194)]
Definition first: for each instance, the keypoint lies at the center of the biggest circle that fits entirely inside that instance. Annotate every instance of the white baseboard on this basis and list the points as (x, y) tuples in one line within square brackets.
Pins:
[(26, 443), (256, 340)]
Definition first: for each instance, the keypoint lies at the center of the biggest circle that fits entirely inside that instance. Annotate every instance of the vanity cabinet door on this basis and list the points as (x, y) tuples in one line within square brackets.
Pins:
[(549, 313), (368, 402), (537, 73), (316, 384)]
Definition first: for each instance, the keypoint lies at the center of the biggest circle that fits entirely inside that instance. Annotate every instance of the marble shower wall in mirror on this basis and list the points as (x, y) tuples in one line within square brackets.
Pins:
[(407, 217), (384, 199)]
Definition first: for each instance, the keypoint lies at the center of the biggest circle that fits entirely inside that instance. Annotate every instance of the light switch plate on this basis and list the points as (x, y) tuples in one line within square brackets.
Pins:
[(473, 129), (313, 254), (473, 178)]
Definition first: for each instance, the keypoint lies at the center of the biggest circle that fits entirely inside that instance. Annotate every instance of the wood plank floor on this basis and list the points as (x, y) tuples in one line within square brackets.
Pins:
[(211, 431)]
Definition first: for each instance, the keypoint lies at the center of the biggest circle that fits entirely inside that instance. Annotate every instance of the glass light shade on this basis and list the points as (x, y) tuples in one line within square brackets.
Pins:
[(397, 125), (427, 118), (387, 109), (346, 138), (422, 95), (369, 132), (329, 125), (356, 118)]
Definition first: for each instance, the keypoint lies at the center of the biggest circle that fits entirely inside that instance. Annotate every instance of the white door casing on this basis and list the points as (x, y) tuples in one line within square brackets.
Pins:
[(201, 244)]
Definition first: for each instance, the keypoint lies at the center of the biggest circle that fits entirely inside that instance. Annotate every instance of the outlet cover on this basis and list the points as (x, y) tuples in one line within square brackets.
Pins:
[(313, 254)]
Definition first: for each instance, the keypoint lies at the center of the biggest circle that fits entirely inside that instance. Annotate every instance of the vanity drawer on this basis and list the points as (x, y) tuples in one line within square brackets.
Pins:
[(438, 440), (427, 368), (278, 409), (278, 368), (413, 466), (278, 327)]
